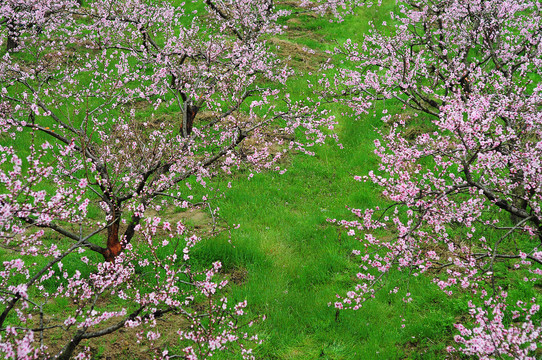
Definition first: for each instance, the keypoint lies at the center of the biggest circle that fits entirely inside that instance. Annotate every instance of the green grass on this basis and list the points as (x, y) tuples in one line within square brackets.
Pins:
[(297, 262)]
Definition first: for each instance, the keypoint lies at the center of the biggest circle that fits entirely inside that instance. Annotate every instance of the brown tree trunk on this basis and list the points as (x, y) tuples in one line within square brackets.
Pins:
[(13, 39), (67, 352), (519, 201), (114, 246), (189, 114)]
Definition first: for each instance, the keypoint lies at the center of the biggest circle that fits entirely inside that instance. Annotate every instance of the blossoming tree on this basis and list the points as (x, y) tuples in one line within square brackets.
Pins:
[(464, 188), (81, 169)]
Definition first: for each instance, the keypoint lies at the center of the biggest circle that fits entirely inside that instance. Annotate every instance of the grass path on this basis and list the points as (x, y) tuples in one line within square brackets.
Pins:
[(295, 262)]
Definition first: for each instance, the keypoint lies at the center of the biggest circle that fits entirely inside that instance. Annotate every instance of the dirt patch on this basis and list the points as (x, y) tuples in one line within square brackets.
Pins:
[(58, 58), (198, 218), (125, 343), (297, 8), (411, 126), (138, 104), (292, 3), (238, 276), (298, 56)]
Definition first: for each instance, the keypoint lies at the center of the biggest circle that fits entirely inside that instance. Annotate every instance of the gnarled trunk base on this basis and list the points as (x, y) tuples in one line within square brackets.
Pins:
[(114, 246)]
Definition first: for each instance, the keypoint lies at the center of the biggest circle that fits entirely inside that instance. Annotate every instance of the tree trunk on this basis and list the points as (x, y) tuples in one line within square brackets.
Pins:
[(114, 246), (67, 352), (519, 201), (13, 36), (189, 114)]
